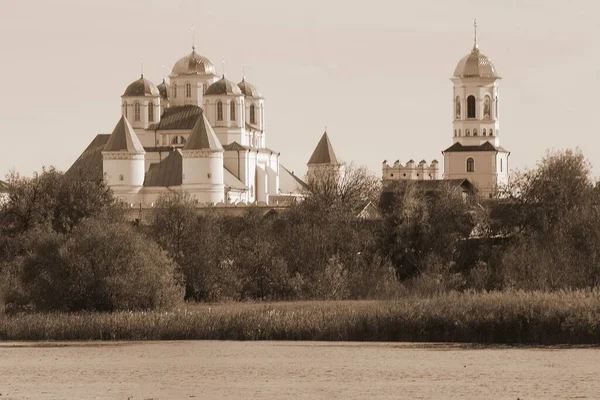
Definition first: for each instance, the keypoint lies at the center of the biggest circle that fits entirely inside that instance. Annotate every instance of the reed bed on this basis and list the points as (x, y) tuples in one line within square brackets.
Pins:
[(512, 317)]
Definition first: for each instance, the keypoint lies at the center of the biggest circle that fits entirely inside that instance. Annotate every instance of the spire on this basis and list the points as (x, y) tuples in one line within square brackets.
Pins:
[(193, 29), (323, 153), (475, 45), (203, 137), (123, 138)]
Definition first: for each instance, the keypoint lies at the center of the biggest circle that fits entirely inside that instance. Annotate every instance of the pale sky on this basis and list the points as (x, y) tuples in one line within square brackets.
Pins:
[(376, 73)]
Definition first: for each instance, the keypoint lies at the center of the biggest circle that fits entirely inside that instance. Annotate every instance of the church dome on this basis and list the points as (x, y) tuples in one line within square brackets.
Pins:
[(223, 86), (193, 64), (475, 65), (248, 89), (141, 87), (162, 89)]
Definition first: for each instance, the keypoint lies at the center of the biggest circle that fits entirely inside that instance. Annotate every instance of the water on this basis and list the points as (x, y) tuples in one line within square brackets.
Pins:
[(294, 370)]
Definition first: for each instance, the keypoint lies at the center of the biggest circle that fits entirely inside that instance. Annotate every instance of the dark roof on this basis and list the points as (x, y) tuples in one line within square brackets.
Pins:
[(141, 87), (323, 153), (90, 161), (180, 117), (124, 138), (223, 86), (203, 137), (168, 172), (487, 146), (248, 89)]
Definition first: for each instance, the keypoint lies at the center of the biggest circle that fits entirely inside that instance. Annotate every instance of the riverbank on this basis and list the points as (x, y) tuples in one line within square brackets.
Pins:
[(511, 317)]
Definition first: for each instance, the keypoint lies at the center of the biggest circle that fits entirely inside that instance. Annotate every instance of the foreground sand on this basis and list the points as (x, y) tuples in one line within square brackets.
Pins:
[(294, 370)]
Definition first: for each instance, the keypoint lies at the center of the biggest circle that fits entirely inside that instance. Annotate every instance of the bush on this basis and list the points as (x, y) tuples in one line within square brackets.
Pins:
[(100, 266)]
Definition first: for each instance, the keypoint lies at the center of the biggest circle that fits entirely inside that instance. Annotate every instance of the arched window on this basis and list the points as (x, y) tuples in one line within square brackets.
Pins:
[(500, 165), (232, 110), (174, 91), (188, 90), (151, 112), (455, 133), (219, 111), (467, 132), (136, 111), (125, 109), (475, 132), (471, 107), (483, 131), (470, 165), (182, 140), (491, 132), (457, 107), (460, 132), (252, 114)]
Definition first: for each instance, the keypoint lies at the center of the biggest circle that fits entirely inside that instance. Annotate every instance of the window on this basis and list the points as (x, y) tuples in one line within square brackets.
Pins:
[(483, 131), (174, 140), (470, 165), (174, 91), (455, 133), (182, 140), (232, 111), (136, 111), (151, 112), (460, 132), (121, 177), (475, 132), (471, 107), (188, 90), (252, 114), (219, 111), (500, 165), (491, 132), (467, 132), (125, 109)]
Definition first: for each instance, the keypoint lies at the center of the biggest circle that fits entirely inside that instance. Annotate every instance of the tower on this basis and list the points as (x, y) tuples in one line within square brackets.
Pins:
[(323, 161), (224, 107), (141, 103), (189, 79), (476, 153), (123, 161), (203, 164)]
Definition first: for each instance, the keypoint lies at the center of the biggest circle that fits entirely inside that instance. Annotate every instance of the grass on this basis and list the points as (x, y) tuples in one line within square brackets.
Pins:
[(563, 317)]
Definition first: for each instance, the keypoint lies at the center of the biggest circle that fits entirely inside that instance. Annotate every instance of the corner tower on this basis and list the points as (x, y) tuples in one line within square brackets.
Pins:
[(476, 153)]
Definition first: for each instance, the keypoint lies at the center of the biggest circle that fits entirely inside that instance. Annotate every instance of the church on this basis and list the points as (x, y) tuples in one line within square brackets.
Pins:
[(475, 154), (197, 133)]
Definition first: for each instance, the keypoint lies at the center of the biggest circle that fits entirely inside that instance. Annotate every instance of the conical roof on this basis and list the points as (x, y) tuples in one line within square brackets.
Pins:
[(323, 153), (203, 137), (123, 138)]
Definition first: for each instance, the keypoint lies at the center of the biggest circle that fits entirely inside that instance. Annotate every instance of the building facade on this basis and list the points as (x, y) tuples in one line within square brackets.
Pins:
[(196, 133)]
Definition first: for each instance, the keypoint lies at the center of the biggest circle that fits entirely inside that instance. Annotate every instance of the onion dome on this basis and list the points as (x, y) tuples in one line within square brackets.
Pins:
[(140, 88), (193, 64), (162, 89), (248, 89), (475, 65), (223, 86)]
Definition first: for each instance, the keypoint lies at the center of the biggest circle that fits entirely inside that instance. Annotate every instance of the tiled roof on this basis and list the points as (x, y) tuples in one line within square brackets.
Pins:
[(180, 117), (90, 161), (203, 137), (168, 172), (487, 146), (124, 138), (248, 89), (323, 153)]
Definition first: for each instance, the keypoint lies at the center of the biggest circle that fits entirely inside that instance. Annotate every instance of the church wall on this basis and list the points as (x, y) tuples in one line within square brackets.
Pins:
[(198, 82)]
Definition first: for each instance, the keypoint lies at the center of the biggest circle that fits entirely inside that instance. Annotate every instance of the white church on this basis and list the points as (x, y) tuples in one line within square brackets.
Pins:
[(476, 154), (197, 133)]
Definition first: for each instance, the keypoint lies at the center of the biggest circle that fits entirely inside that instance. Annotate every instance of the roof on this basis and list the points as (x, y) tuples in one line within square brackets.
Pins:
[(141, 87), (124, 138), (193, 64), (179, 117), (394, 188), (487, 146), (223, 87), (323, 153), (369, 212), (90, 161), (230, 180), (203, 137), (235, 146), (475, 65), (299, 182), (253, 127), (248, 89), (167, 172), (162, 89)]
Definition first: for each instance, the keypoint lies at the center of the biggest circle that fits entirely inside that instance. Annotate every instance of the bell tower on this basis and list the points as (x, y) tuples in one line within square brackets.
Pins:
[(476, 153)]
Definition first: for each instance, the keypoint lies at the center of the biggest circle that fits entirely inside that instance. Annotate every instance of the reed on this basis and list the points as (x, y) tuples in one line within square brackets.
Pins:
[(514, 317)]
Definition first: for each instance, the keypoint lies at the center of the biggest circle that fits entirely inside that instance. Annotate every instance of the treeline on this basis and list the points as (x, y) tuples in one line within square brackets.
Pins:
[(65, 243)]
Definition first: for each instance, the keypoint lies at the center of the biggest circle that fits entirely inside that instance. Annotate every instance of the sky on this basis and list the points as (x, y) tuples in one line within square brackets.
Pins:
[(375, 73)]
